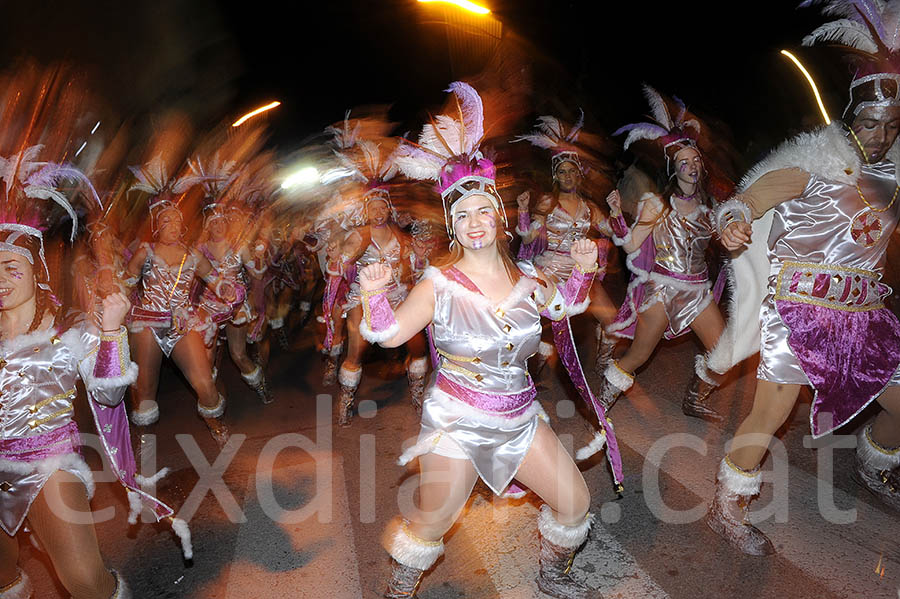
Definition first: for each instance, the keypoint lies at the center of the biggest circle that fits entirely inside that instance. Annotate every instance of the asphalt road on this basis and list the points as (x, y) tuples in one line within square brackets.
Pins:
[(297, 507)]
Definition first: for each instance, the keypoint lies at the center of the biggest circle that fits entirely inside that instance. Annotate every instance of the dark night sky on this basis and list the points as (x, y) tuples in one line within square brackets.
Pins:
[(217, 58)]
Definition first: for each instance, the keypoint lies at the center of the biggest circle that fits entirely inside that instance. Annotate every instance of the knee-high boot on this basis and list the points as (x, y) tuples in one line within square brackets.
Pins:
[(256, 379), (410, 558), (559, 543), (729, 513), (415, 372), (698, 392), (615, 382), (20, 588), (878, 468), (331, 362), (349, 381), (606, 345), (212, 418)]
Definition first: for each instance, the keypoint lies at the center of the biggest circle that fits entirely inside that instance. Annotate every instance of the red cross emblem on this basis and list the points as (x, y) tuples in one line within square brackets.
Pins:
[(866, 229)]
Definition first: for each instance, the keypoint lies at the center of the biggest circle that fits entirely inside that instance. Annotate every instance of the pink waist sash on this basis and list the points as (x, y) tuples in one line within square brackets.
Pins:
[(504, 404), (697, 278), (60, 441)]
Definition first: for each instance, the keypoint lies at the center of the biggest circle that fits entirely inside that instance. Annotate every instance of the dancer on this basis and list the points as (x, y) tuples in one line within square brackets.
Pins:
[(379, 241), (670, 291), (163, 319), (229, 257), (562, 217), (43, 358), (808, 294), (480, 418)]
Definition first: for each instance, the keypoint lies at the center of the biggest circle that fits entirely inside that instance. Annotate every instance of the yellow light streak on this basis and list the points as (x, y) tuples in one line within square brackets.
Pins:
[(812, 84), (465, 5), (253, 113)]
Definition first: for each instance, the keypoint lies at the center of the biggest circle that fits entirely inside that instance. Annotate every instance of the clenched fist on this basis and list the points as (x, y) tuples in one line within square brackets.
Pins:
[(115, 307), (614, 200), (736, 234), (374, 276), (584, 252), (523, 200)]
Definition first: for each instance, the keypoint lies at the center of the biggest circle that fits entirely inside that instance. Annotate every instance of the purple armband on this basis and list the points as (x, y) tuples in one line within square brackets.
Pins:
[(621, 232), (112, 355), (524, 223), (378, 323)]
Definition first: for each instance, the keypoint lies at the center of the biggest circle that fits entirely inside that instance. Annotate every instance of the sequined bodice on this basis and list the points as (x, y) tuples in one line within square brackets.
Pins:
[(484, 346), (681, 241), (229, 267), (563, 230), (830, 224), (166, 286)]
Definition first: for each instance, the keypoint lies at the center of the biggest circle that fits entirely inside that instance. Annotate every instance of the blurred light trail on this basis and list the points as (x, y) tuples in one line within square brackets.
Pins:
[(464, 4), (253, 113), (812, 84), (303, 177)]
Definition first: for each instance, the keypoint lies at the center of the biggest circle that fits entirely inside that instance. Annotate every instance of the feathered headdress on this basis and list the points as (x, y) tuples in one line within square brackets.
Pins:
[(153, 179), (26, 179), (673, 134), (448, 151), (551, 134), (215, 176), (870, 29), (365, 162)]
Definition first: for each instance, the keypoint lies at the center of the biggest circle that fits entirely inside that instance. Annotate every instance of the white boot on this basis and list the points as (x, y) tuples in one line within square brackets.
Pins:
[(20, 588)]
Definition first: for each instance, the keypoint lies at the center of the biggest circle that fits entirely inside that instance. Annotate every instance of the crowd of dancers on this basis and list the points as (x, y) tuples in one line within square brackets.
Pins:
[(215, 258)]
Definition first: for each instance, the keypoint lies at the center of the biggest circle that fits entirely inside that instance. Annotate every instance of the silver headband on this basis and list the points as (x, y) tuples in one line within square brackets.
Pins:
[(880, 98), (467, 187), (8, 245), (559, 159)]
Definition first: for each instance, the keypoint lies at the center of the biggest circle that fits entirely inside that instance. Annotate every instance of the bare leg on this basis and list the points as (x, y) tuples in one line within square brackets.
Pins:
[(148, 357), (356, 345), (549, 471), (9, 558), (772, 404), (444, 487), (237, 347), (651, 325), (602, 307), (73, 548), (190, 356), (708, 326), (886, 428)]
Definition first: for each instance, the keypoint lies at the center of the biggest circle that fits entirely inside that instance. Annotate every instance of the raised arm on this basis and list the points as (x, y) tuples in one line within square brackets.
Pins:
[(381, 324), (733, 217), (649, 209)]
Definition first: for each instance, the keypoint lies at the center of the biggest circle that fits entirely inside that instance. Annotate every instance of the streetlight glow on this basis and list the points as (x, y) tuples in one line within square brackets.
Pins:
[(812, 84), (465, 5), (253, 113), (304, 177)]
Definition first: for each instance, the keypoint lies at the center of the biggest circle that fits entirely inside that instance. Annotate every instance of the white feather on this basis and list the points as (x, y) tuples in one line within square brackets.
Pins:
[(844, 31), (639, 133), (658, 107)]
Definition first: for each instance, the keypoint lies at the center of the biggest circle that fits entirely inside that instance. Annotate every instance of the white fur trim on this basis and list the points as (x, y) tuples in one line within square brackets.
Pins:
[(254, 377), (874, 456), (276, 323), (534, 226), (336, 350), (579, 308), (70, 462), (413, 553), (702, 371), (618, 378), (320, 319), (305, 306), (418, 367), (545, 349), (733, 205), (148, 481), (122, 589), (378, 336), (92, 383), (595, 446), (134, 506), (213, 412), (180, 527), (39, 338), (522, 289), (349, 378), (620, 241), (21, 590), (640, 277), (568, 537), (739, 483), (147, 417)]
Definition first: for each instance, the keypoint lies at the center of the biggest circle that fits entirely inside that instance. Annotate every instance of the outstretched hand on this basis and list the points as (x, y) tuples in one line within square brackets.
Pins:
[(374, 276)]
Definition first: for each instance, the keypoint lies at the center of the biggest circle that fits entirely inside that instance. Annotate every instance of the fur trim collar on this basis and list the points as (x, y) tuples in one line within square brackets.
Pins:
[(524, 288), (825, 152)]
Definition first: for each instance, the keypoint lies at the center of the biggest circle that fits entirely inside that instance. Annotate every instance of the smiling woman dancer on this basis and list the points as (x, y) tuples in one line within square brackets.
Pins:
[(479, 418), (44, 478)]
